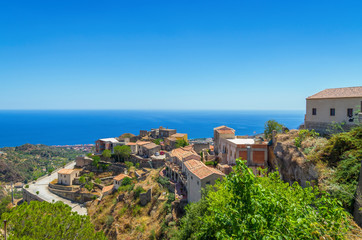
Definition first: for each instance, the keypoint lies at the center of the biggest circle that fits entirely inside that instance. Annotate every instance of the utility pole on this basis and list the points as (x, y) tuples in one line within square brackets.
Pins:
[(5, 229)]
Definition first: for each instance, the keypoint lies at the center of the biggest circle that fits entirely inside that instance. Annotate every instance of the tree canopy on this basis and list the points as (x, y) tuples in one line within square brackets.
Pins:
[(271, 125), (181, 143), (43, 220), (122, 152), (107, 154), (245, 206)]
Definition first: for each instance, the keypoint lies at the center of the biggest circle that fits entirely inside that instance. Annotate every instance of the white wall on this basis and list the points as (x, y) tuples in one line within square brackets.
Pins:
[(323, 107)]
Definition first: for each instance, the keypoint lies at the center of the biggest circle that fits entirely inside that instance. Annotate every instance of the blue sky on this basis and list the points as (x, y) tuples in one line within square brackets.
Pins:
[(176, 54)]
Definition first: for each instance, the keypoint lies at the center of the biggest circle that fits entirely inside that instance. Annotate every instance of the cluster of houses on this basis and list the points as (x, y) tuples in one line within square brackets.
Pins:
[(186, 166)]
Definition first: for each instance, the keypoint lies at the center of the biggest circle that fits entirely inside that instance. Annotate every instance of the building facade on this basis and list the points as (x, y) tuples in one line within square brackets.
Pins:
[(229, 147), (335, 105), (66, 176)]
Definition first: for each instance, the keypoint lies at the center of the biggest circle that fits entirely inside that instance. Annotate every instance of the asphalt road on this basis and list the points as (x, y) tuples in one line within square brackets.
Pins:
[(41, 185)]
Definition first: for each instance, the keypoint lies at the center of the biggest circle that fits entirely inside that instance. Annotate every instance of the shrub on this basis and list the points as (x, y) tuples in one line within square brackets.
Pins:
[(163, 181), (27, 186), (43, 220), (136, 210), (126, 181), (128, 164), (109, 220), (303, 134), (271, 125), (98, 181), (138, 191), (244, 206)]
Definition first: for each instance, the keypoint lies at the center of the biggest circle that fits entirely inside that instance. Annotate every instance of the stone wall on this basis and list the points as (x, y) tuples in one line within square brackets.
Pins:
[(322, 127), (28, 196), (73, 195), (61, 187), (146, 197)]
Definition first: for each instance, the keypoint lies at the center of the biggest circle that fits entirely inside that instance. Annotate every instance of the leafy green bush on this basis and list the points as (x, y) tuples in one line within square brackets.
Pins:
[(43, 220), (138, 191), (163, 181), (244, 206), (303, 134), (181, 143), (98, 181), (126, 181), (109, 220), (136, 210), (128, 164), (271, 125)]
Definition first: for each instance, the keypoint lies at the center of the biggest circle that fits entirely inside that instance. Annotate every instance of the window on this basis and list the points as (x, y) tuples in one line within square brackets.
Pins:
[(192, 178), (333, 112), (350, 112), (197, 182), (208, 183), (314, 111)]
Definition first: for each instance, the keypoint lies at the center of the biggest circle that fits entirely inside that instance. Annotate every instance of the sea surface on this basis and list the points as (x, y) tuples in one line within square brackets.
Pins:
[(68, 127)]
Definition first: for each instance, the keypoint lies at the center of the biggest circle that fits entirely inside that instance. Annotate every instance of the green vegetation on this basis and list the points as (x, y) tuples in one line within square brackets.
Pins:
[(122, 153), (181, 143), (126, 181), (107, 154), (244, 206), (164, 181), (96, 162), (29, 162), (138, 191), (4, 202), (343, 153), (303, 134), (158, 141), (128, 164), (270, 126), (43, 220), (98, 181)]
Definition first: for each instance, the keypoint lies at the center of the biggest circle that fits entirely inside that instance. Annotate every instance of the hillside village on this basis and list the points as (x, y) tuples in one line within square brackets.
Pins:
[(163, 166)]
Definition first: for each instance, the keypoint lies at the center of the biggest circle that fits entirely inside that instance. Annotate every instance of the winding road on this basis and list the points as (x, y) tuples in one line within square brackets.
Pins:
[(41, 185)]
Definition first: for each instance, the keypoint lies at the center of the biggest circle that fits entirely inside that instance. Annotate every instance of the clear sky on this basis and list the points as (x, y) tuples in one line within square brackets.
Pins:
[(176, 54)]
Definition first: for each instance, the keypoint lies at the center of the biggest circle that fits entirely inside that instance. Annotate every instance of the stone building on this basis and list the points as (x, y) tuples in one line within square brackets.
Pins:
[(117, 180), (333, 105), (66, 176)]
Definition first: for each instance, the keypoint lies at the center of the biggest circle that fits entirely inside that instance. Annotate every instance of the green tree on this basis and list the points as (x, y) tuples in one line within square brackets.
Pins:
[(107, 154), (244, 206), (271, 125), (158, 141), (181, 143), (122, 152), (96, 160), (43, 220)]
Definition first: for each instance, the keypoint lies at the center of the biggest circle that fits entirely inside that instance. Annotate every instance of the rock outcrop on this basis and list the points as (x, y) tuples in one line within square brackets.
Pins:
[(291, 163)]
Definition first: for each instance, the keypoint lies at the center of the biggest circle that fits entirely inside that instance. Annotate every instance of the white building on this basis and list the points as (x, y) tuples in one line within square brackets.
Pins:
[(333, 105)]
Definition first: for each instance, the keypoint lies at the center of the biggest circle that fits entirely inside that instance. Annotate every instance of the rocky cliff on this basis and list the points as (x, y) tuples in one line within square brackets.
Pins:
[(290, 161)]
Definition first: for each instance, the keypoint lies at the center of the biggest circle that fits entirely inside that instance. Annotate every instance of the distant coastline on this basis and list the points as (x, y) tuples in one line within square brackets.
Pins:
[(71, 127)]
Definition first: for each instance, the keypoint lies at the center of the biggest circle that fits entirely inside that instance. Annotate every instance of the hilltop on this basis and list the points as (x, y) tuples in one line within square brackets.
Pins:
[(28, 162)]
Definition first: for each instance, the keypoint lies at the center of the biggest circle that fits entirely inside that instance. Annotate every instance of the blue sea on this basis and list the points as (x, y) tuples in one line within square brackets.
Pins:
[(68, 127)]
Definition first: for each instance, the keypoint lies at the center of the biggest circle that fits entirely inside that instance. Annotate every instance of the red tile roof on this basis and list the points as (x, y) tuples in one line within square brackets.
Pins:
[(200, 170), (348, 92), (224, 130), (66, 171), (120, 177), (107, 188)]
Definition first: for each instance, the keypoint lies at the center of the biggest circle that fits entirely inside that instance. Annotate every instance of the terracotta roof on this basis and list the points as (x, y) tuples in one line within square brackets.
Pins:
[(107, 188), (176, 135), (140, 143), (200, 170), (348, 92), (224, 130), (66, 171), (131, 144), (183, 152), (120, 177), (172, 139), (150, 145)]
